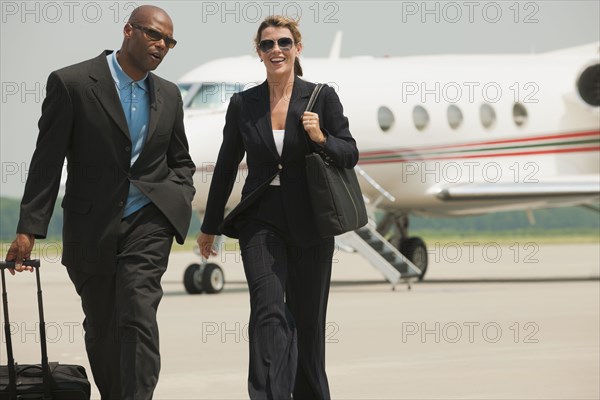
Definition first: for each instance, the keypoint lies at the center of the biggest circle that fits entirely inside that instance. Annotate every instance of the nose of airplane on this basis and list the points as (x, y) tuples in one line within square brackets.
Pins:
[(204, 131)]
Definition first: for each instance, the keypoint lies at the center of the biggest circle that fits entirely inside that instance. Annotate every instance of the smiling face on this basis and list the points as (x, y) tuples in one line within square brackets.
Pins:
[(279, 62), (144, 53)]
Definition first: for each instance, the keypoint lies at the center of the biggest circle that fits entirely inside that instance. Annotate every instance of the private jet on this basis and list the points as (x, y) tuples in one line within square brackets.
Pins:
[(439, 135)]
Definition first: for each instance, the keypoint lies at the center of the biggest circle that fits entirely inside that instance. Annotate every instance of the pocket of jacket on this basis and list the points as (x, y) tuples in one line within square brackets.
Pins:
[(76, 205)]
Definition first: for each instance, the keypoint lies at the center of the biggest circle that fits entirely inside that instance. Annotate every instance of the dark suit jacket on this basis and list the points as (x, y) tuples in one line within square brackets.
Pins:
[(248, 130), (83, 120)]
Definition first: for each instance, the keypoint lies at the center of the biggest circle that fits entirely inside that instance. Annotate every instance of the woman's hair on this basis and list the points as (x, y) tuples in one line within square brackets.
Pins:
[(280, 21)]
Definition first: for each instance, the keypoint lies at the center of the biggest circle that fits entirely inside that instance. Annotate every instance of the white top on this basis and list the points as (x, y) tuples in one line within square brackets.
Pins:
[(278, 135)]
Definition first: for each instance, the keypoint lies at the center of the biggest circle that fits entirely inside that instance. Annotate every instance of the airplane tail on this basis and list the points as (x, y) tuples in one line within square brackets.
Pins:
[(336, 47)]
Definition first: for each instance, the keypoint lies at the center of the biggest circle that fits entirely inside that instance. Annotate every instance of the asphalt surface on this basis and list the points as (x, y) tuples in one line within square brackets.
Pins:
[(489, 322)]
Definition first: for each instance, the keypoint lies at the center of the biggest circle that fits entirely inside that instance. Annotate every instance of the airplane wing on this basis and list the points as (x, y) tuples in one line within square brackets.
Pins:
[(585, 188)]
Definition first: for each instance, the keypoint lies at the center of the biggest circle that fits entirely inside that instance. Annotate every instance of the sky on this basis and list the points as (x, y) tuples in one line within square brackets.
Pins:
[(41, 36)]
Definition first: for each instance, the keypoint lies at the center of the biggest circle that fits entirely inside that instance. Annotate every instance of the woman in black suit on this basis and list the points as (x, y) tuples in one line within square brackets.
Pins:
[(287, 264)]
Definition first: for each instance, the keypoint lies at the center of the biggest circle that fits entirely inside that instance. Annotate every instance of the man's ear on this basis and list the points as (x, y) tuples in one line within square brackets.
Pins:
[(127, 30)]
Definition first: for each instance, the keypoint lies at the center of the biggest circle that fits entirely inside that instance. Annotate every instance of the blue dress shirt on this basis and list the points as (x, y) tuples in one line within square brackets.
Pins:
[(135, 100)]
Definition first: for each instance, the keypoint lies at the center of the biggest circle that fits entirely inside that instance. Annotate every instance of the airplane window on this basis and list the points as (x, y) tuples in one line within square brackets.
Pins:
[(213, 95), (184, 88), (385, 116), (519, 114), (487, 115), (420, 117), (455, 116)]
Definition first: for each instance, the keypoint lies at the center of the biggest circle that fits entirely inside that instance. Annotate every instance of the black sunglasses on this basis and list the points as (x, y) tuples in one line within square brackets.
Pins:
[(155, 35), (284, 43)]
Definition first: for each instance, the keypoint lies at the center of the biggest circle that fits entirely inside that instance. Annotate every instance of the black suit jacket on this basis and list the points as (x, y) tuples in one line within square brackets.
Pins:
[(83, 120), (248, 130)]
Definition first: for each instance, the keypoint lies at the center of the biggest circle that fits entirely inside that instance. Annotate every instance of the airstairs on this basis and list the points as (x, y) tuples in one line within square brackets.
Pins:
[(375, 248)]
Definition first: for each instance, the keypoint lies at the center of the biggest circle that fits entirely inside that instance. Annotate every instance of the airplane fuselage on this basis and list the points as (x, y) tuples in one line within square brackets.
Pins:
[(427, 123)]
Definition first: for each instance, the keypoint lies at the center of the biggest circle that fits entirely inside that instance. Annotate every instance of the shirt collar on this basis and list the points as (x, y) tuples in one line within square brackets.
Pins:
[(122, 80)]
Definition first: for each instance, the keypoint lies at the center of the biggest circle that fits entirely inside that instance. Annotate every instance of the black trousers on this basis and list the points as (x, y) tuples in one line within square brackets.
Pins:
[(289, 289), (121, 331)]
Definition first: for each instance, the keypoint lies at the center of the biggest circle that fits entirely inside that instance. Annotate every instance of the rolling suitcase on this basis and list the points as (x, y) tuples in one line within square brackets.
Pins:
[(49, 381)]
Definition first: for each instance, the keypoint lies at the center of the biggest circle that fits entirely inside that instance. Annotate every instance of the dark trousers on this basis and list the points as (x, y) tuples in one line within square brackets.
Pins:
[(121, 332), (289, 289)]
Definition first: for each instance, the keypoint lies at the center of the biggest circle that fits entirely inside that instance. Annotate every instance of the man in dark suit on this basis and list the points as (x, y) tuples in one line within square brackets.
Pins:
[(128, 192)]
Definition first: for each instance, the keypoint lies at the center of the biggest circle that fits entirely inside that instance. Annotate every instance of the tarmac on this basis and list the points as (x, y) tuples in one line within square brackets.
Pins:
[(490, 321)]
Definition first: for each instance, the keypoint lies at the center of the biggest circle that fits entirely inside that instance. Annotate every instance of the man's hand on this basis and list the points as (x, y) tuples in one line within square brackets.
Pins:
[(20, 249), (205, 243)]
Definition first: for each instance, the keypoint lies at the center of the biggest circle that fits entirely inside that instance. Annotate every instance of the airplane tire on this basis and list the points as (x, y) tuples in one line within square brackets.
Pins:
[(213, 279), (415, 250), (192, 279)]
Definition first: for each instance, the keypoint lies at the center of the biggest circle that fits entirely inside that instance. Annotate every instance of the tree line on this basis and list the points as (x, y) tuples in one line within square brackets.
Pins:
[(569, 218)]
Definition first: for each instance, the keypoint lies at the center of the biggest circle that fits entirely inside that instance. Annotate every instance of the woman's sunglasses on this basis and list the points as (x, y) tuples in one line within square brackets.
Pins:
[(284, 43), (155, 36)]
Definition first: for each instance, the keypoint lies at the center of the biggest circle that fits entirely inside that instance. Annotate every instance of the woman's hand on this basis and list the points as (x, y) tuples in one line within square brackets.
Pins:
[(310, 121), (205, 244)]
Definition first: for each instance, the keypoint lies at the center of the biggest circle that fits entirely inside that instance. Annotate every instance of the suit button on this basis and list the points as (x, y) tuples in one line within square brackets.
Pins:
[(127, 148), (279, 166), (121, 204)]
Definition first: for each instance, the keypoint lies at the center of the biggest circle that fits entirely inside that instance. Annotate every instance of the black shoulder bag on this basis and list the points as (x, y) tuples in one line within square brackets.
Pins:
[(335, 194)]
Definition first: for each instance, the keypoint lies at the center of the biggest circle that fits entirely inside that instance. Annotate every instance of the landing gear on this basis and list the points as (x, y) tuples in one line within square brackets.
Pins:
[(192, 279), (395, 227), (207, 278), (414, 249), (213, 279)]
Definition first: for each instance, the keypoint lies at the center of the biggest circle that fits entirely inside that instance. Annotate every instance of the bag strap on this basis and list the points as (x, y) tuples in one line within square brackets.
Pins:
[(313, 97), (311, 103), (309, 108), (12, 374)]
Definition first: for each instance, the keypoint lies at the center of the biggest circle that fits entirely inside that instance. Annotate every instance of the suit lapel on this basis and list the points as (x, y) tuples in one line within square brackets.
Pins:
[(106, 93), (156, 101), (294, 133), (261, 112)]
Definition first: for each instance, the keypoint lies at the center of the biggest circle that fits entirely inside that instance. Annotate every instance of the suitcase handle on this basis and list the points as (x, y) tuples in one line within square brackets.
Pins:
[(31, 371), (12, 264), (12, 376)]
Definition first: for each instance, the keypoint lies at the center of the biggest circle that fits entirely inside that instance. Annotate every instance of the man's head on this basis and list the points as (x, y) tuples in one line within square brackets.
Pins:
[(148, 35)]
